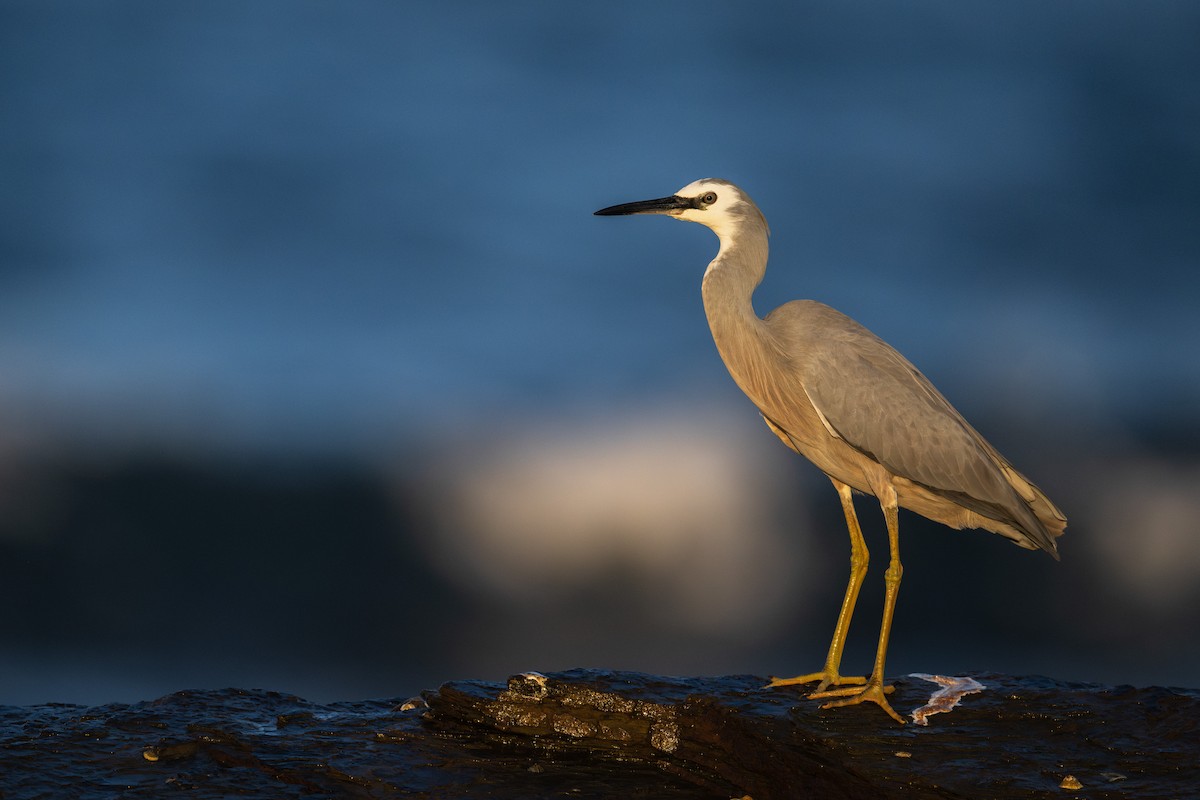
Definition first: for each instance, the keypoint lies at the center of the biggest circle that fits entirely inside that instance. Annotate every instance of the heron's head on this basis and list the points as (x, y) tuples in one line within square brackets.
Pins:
[(710, 201)]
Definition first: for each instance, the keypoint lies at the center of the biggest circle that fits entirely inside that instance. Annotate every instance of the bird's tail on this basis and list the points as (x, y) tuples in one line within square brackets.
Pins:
[(1050, 521)]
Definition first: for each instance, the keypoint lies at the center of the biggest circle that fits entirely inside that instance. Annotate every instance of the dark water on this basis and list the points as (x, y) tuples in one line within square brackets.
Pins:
[(274, 277), (295, 227)]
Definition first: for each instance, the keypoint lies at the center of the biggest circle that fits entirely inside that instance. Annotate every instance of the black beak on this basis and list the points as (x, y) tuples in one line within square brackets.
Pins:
[(663, 205)]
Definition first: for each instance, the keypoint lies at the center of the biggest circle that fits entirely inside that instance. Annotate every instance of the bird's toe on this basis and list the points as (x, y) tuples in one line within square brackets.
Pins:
[(871, 693), (824, 679)]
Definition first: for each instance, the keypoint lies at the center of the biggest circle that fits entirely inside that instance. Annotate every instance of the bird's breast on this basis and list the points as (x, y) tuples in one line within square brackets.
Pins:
[(774, 382)]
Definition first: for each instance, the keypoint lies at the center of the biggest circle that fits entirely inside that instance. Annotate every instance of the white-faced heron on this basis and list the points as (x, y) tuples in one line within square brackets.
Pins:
[(844, 399)]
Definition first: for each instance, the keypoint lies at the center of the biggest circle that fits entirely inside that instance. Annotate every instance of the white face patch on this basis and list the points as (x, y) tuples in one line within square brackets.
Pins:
[(697, 188), (716, 216)]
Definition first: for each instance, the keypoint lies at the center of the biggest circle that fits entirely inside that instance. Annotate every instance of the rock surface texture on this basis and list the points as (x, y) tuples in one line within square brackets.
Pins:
[(595, 734)]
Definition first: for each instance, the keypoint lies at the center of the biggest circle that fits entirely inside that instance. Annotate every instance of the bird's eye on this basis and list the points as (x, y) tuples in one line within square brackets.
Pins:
[(709, 198)]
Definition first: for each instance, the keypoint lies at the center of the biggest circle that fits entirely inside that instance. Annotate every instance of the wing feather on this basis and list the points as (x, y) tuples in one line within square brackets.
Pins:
[(875, 400)]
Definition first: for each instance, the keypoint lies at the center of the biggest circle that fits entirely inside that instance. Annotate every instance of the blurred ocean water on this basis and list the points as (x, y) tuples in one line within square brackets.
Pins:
[(308, 221), (253, 234)]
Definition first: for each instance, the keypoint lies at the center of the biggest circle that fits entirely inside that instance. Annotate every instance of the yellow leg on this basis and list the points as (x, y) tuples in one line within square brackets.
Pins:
[(875, 691), (829, 676)]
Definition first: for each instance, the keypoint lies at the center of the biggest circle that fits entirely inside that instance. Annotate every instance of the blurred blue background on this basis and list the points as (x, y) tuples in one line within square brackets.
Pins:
[(317, 374)]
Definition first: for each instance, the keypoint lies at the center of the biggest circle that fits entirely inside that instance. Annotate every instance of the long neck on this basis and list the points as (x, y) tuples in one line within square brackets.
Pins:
[(729, 283)]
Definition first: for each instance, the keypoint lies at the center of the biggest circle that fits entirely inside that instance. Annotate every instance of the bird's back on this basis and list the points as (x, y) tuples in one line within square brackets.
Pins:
[(876, 410)]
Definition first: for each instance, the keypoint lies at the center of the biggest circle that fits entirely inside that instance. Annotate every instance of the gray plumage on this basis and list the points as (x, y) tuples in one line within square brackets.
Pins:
[(843, 398)]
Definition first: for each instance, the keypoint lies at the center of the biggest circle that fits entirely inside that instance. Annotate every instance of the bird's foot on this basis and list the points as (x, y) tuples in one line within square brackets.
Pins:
[(827, 677), (874, 692)]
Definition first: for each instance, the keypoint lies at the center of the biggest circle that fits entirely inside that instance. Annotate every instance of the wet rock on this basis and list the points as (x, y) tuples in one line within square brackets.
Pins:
[(616, 735)]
